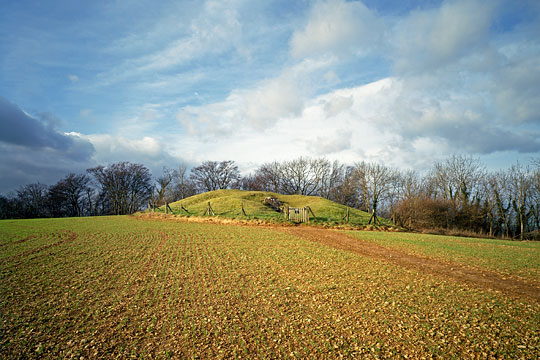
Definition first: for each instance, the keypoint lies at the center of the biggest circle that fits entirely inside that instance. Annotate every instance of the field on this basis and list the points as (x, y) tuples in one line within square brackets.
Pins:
[(120, 287)]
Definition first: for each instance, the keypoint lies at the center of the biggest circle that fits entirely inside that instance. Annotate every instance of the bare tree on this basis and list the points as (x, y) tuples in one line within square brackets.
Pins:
[(33, 200), (489, 182), (535, 196), (521, 184), (376, 182), (183, 186), (332, 180), (302, 176), (213, 175), (250, 182), (457, 178), (162, 186), (8, 207), (268, 177), (411, 185), (345, 192), (126, 186), (92, 200), (360, 178), (305, 176), (297, 177), (407, 189), (501, 191), (67, 195)]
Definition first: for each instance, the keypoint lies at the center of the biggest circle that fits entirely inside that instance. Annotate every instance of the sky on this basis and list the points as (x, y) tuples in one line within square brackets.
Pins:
[(400, 82)]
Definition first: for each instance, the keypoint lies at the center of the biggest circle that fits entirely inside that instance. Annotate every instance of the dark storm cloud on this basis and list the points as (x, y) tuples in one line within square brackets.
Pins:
[(18, 128), (483, 139), (33, 150)]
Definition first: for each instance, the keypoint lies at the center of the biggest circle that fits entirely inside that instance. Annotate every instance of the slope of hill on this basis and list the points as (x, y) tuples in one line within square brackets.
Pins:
[(228, 203)]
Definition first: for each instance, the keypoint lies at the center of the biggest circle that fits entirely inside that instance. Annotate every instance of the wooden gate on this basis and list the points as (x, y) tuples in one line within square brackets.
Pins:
[(299, 215)]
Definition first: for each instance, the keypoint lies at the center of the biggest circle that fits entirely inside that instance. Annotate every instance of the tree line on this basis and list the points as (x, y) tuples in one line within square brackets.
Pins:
[(117, 189), (457, 194)]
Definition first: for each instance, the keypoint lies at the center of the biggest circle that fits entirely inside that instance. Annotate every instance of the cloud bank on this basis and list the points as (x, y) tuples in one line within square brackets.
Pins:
[(403, 83), (454, 85), (33, 150)]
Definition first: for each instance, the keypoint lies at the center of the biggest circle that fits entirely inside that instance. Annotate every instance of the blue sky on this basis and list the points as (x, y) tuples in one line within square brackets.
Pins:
[(162, 83)]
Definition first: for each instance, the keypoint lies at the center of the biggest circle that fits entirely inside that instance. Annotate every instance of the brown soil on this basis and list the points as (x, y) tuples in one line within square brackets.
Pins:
[(477, 277)]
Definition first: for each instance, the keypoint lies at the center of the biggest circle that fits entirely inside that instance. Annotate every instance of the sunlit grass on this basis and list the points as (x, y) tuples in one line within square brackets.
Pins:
[(520, 258), (228, 203)]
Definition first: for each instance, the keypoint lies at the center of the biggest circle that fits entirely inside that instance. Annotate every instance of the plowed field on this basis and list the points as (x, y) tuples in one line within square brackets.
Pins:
[(121, 287)]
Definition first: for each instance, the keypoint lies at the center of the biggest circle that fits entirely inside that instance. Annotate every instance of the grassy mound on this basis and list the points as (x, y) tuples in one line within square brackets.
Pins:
[(228, 203)]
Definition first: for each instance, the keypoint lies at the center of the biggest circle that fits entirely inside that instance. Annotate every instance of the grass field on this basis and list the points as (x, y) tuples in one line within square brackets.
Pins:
[(120, 287), (513, 258)]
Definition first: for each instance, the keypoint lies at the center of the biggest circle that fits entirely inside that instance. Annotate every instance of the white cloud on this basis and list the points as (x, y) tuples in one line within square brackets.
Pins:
[(260, 107), (213, 120), (150, 151), (337, 105), (73, 78), (274, 99), (391, 120), (215, 30), (450, 86), (517, 94), (350, 135), (109, 146), (454, 89), (338, 27), (430, 38), (333, 142)]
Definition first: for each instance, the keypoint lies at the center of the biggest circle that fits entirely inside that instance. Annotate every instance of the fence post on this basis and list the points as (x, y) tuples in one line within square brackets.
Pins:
[(166, 208), (209, 210), (183, 208)]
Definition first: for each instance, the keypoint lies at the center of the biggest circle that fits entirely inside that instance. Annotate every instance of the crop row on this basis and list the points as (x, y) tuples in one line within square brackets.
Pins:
[(127, 287)]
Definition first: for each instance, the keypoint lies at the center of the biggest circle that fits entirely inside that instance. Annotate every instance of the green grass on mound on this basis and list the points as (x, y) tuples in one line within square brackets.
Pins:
[(228, 203)]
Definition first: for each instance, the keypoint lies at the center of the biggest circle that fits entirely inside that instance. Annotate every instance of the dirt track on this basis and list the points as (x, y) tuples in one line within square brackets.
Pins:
[(477, 277)]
